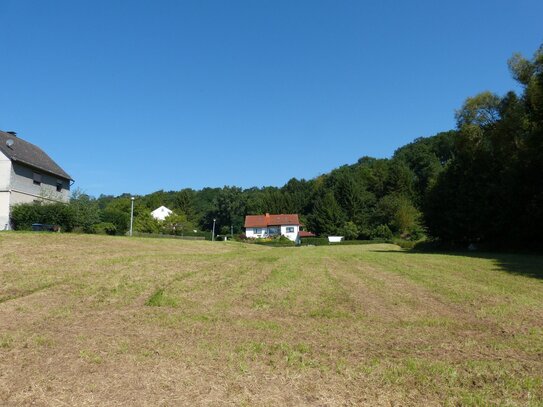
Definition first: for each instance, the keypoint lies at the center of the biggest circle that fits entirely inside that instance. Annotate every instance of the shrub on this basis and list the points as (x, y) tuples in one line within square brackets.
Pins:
[(104, 228), (145, 223), (350, 231), (282, 241), (315, 241), (381, 232), (119, 218), (24, 215), (323, 241), (404, 244), (361, 242)]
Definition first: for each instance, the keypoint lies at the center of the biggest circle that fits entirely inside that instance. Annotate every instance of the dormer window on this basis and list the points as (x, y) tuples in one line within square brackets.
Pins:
[(37, 179)]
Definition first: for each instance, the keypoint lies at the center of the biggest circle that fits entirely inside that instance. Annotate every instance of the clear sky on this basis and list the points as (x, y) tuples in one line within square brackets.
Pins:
[(137, 96)]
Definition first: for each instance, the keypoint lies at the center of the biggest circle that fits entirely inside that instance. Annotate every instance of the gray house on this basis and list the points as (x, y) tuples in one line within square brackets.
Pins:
[(28, 174)]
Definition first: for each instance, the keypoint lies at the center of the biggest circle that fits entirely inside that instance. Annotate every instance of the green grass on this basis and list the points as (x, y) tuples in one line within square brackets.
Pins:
[(108, 320), (159, 299)]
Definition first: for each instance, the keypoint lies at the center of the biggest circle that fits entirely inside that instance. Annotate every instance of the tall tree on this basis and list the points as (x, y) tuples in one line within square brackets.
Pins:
[(327, 217)]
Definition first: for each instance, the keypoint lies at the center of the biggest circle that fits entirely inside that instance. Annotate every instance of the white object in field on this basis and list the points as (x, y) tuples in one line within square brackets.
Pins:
[(161, 213), (335, 239)]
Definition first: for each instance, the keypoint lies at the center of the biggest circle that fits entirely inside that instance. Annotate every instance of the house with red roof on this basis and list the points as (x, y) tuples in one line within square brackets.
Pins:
[(261, 226)]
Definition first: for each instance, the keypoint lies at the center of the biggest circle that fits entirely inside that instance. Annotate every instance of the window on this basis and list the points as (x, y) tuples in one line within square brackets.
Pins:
[(290, 229), (37, 179), (59, 186), (257, 231)]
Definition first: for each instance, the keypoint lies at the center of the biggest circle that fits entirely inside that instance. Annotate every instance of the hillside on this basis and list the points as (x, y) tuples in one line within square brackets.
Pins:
[(96, 320)]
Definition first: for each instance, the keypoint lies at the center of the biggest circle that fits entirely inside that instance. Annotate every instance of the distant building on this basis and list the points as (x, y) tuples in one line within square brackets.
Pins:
[(161, 213), (260, 226), (28, 174)]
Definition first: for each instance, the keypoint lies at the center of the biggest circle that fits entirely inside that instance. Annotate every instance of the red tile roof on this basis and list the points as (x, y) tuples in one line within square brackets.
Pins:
[(262, 221), (304, 233)]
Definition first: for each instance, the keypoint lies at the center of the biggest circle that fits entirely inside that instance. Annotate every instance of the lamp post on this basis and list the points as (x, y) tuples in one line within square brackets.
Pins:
[(213, 233), (131, 214)]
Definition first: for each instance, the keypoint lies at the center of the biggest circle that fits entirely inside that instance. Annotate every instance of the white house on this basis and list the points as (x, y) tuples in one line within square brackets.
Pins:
[(28, 174), (260, 226), (161, 213)]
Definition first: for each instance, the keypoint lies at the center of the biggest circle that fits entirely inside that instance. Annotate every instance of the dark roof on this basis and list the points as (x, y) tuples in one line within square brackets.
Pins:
[(27, 153), (262, 221)]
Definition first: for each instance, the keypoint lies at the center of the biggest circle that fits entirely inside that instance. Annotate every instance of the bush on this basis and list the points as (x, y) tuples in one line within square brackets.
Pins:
[(279, 241), (350, 231), (86, 212), (104, 228), (381, 232), (145, 223), (119, 218), (361, 242), (315, 241), (404, 244), (24, 215)]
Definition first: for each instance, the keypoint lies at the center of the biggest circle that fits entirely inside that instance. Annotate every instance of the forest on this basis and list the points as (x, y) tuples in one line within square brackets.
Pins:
[(478, 184)]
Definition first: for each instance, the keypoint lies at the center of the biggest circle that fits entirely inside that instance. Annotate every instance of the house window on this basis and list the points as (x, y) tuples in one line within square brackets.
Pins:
[(59, 186), (290, 229), (257, 231), (274, 230), (37, 179)]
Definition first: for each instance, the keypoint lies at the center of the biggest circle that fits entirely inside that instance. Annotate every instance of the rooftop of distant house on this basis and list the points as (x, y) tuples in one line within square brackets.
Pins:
[(262, 221)]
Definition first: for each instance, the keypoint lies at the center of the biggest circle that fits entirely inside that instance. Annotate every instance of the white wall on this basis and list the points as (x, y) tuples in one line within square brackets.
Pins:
[(161, 213), (5, 176), (291, 235), (4, 211), (249, 232), (5, 172)]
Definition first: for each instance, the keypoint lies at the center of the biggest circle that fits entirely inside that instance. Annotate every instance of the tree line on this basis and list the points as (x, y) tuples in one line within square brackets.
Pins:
[(481, 183)]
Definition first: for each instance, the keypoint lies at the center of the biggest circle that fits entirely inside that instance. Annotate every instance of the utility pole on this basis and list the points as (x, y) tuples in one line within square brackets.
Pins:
[(231, 231), (213, 233), (131, 215)]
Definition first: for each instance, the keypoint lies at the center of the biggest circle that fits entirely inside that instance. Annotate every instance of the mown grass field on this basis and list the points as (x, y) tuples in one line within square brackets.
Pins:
[(90, 320)]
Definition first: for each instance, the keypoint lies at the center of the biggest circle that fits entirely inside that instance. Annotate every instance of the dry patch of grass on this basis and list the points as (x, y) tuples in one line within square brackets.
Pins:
[(87, 320)]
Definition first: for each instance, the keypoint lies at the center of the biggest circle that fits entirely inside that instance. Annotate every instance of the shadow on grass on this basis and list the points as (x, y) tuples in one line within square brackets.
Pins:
[(530, 265)]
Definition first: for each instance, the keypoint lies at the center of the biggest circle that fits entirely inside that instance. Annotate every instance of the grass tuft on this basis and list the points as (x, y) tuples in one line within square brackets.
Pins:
[(159, 299)]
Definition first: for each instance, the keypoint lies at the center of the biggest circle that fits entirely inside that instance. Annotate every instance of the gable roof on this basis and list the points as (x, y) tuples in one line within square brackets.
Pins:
[(162, 209), (262, 221), (28, 154), (161, 213)]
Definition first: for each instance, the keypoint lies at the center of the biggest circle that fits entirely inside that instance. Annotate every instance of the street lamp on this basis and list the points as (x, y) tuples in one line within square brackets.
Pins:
[(131, 215), (213, 233)]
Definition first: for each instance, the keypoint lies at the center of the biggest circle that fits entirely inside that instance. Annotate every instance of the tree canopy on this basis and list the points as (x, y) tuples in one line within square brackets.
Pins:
[(479, 183)]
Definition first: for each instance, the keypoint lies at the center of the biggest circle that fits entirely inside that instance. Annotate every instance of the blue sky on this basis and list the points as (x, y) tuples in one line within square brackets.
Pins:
[(137, 96)]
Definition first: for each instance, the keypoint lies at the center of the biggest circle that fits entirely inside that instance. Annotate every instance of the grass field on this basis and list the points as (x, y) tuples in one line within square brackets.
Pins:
[(90, 320)]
